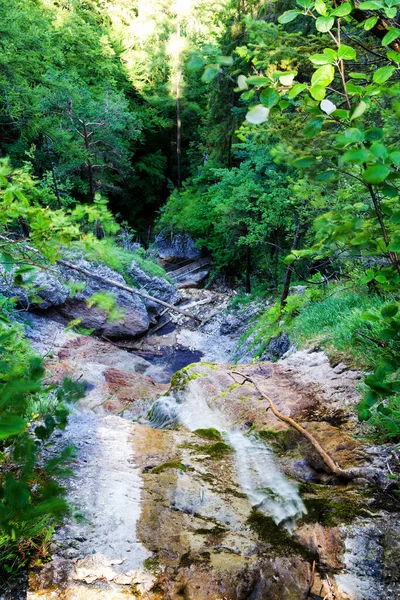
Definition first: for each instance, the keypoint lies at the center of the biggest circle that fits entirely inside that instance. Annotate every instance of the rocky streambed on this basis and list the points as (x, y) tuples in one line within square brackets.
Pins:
[(188, 487)]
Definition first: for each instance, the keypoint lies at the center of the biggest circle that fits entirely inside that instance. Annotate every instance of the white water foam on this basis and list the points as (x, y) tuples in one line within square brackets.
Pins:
[(257, 472)]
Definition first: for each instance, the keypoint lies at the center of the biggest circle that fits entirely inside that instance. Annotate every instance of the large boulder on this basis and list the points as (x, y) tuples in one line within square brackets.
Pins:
[(47, 286), (135, 319), (53, 289), (176, 247), (154, 286)]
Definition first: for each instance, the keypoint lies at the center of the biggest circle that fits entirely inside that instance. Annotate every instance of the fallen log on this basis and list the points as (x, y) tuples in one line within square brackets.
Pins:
[(121, 286), (111, 282), (373, 475)]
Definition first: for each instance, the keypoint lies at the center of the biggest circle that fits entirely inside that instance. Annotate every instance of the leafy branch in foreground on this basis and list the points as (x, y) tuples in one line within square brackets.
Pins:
[(349, 114)]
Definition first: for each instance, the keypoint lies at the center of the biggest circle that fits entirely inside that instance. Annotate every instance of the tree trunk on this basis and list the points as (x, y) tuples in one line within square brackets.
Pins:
[(178, 113), (289, 270), (248, 268), (86, 136)]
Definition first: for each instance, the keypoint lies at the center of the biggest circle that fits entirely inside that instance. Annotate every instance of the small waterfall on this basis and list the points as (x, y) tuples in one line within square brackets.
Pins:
[(257, 472)]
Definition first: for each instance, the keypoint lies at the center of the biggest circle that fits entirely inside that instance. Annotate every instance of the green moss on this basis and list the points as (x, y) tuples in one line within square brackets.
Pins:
[(215, 451), (208, 434), (169, 465), (233, 386), (181, 378), (330, 506), (283, 440), (277, 536), (218, 450), (152, 564), (217, 530)]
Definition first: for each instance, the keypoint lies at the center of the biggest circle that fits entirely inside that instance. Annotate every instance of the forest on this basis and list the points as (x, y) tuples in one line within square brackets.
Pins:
[(266, 131)]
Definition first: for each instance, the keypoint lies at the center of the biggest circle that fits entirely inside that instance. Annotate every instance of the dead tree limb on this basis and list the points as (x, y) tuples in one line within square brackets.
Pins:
[(111, 282), (348, 474), (121, 286)]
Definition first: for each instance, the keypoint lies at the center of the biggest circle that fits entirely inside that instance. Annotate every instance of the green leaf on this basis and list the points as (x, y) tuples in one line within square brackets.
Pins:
[(225, 61), (379, 150), (195, 63), (359, 110), (374, 134), (346, 52), (7, 261), (296, 90), (11, 425), (370, 23), (248, 95), (357, 75), (290, 259), (288, 16), (326, 176), (322, 59), (375, 174), (320, 7), (257, 80), (364, 414), (257, 114), (372, 5), (342, 11), (395, 157), (357, 156), (324, 24), (313, 127), (269, 97), (389, 310), (210, 73), (391, 35), (323, 76), (318, 92), (383, 74), (304, 162)]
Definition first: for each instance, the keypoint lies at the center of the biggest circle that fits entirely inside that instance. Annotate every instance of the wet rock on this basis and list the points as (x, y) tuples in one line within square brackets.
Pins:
[(176, 247), (114, 378)]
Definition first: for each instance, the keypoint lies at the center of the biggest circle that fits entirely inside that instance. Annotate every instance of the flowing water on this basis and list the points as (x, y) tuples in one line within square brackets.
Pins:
[(257, 472)]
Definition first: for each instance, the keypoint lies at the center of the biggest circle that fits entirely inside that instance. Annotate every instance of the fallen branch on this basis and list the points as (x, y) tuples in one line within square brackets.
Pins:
[(111, 282), (348, 474), (121, 286)]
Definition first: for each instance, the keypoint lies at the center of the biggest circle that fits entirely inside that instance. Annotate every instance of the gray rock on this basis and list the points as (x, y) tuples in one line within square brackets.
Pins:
[(47, 285), (135, 320), (154, 286), (176, 247), (191, 280), (277, 347), (297, 290)]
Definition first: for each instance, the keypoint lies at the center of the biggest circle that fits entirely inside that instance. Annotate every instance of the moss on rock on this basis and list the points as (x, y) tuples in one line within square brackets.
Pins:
[(209, 434)]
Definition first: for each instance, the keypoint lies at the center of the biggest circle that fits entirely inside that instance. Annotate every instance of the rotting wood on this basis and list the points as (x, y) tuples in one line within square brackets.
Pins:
[(121, 286), (373, 475)]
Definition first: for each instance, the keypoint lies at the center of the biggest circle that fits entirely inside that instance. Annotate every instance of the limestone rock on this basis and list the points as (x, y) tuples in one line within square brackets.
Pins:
[(176, 247), (154, 286)]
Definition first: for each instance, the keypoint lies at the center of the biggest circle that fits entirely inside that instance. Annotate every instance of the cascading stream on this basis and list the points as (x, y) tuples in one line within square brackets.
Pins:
[(257, 472)]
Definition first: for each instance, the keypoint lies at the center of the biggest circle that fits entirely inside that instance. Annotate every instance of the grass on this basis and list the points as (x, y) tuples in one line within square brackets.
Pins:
[(337, 324), (107, 252), (334, 322)]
